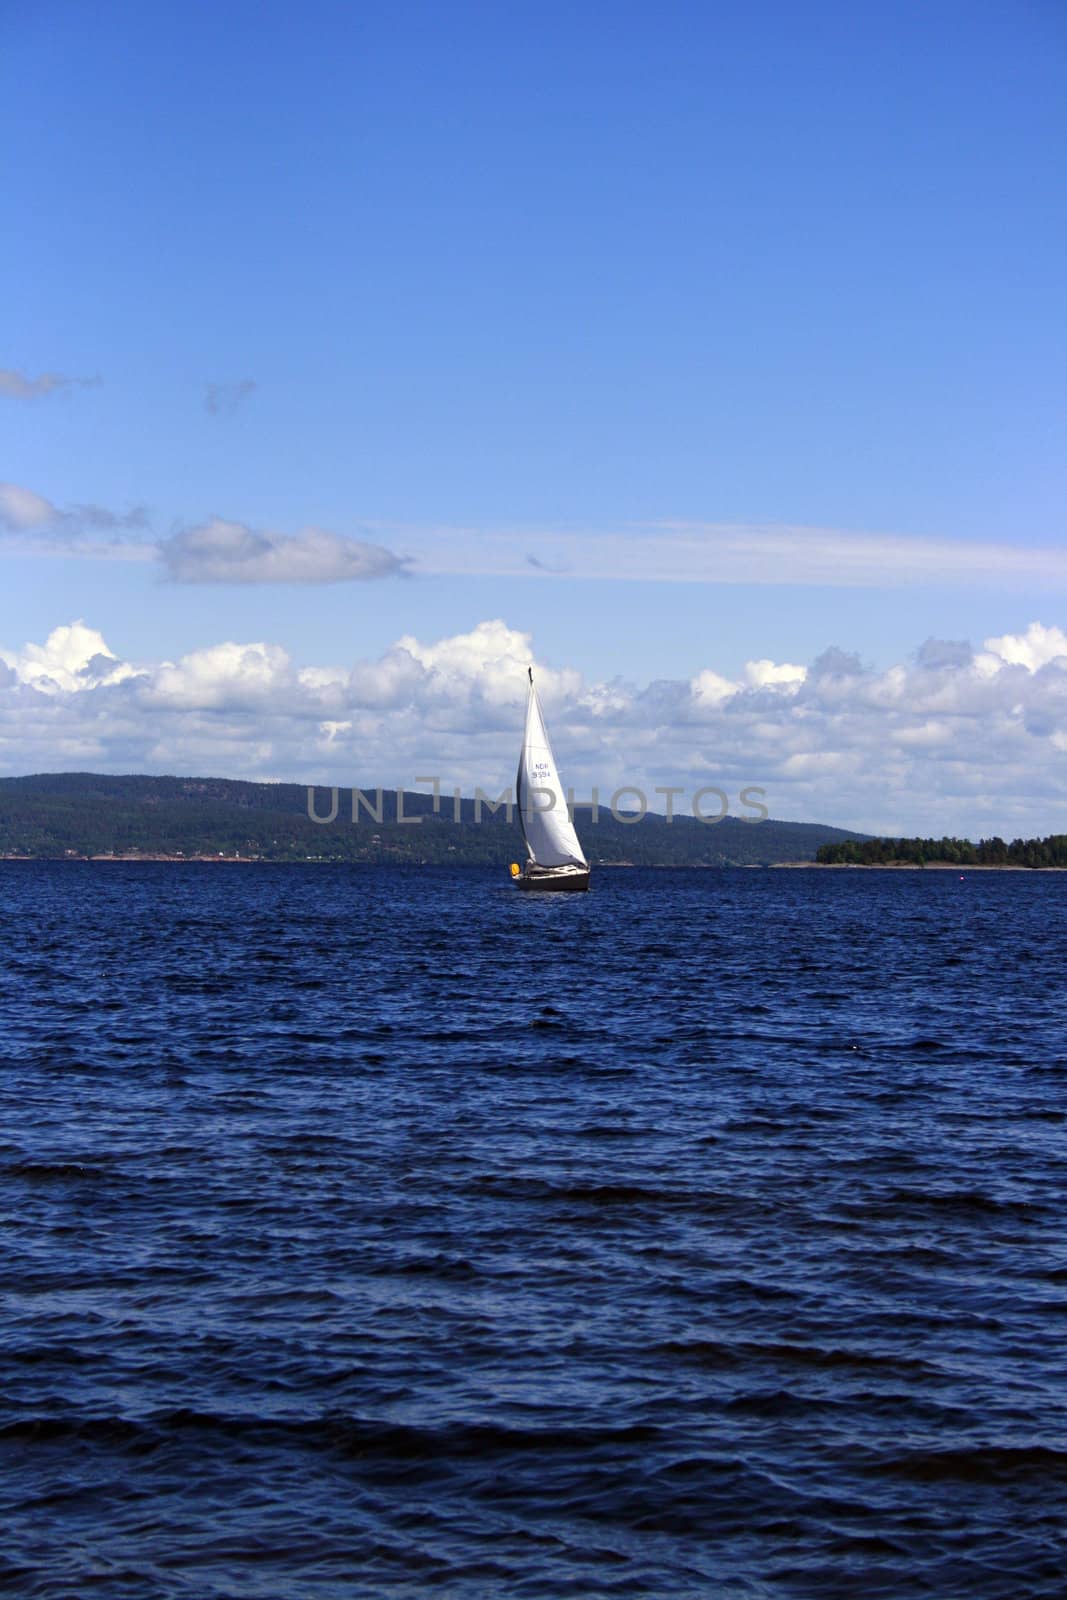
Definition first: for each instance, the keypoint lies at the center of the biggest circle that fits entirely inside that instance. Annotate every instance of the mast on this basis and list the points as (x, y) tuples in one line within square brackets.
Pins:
[(522, 763)]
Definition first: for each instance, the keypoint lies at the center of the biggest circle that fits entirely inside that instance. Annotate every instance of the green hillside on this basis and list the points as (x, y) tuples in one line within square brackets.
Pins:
[(78, 813)]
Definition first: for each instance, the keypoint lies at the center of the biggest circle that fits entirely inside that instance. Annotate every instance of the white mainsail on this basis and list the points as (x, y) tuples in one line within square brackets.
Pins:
[(546, 824)]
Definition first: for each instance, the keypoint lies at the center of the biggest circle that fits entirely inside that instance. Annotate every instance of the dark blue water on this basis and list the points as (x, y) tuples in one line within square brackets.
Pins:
[(372, 1232)]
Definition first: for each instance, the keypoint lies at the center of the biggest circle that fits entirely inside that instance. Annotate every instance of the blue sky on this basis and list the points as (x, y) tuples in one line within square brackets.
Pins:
[(502, 280)]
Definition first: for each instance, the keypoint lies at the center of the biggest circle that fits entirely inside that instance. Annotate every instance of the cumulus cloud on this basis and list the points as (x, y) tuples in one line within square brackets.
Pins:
[(231, 552), (950, 740), (492, 657), (782, 675), (939, 653), (1034, 648), (20, 387), (234, 676), (712, 689), (72, 658), (225, 398)]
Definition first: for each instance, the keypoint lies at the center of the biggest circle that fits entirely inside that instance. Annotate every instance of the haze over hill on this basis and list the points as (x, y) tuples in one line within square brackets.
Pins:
[(51, 815)]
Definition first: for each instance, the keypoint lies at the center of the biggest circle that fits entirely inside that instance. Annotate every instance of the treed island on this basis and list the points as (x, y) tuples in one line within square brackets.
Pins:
[(995, 852)]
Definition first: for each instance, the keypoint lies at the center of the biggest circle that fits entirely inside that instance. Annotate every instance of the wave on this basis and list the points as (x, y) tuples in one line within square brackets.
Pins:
[(989, 1463), (744, 1352), (55, 1171), (351, 1435)]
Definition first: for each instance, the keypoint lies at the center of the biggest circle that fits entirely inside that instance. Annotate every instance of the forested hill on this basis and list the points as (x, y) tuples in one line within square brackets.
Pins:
[(57, 815), (1050, 852)]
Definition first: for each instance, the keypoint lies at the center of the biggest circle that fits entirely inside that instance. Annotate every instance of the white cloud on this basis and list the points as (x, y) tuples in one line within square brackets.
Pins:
[(221, 550), (231, 552), (1032, 649), (679, 552), (72, 658), (711, 689), (948, 741), (493, 660), (782, 675), (232, 676), (22, 511), (217, 551), (19, 387)]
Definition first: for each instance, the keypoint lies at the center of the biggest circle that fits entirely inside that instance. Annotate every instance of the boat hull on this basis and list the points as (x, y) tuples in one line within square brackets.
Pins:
[(555, 880)]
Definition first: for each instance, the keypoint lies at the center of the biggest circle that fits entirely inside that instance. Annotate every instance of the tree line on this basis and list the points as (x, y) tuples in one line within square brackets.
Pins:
[(995, 852)]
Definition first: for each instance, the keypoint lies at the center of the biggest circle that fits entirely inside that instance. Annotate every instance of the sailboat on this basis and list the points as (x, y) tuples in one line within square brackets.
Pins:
[(555, 858)]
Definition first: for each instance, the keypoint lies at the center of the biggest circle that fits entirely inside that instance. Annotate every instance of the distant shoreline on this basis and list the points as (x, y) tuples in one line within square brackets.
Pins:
[(962, 867), (243, 861), (598, 866)]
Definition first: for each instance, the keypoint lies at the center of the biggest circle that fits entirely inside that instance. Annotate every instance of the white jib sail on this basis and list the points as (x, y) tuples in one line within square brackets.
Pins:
[(546, 824)]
